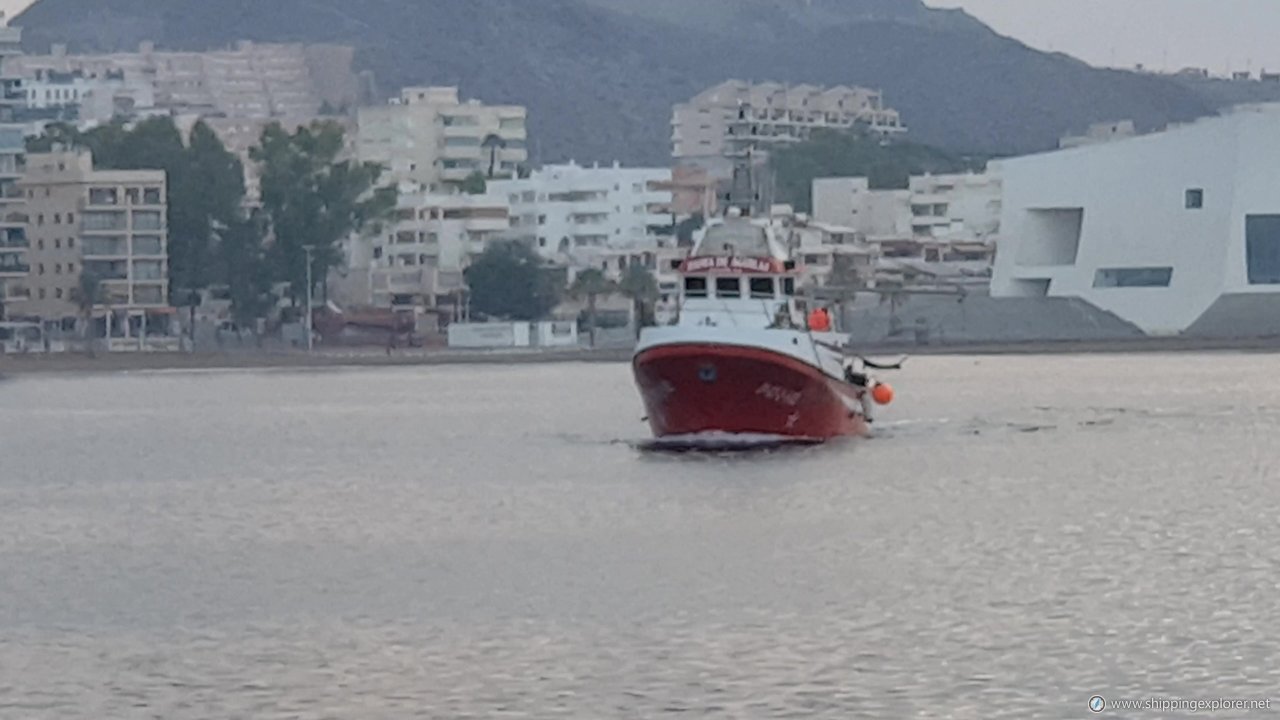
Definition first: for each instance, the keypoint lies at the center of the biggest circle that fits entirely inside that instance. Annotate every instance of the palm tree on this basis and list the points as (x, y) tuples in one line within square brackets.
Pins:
[(591, 284), (87, 295), (642, 287), (493, 143)]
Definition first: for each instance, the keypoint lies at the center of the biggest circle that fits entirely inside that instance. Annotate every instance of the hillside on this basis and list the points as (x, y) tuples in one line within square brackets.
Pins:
[(600, 76)]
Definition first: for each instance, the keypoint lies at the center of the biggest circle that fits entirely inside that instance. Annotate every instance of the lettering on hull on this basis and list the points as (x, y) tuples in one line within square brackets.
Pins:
[(780, 395)]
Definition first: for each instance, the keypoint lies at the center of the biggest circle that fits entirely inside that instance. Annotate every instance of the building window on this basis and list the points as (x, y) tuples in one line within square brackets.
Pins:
[(57, 218), (1148, 277), (40, 219), (729, 287), (146, 220), (103, 196), (57, 244), (71, 243), (42, 294), (71, 218), (762, 288), (41, 268), (40, 244), (151, 195), (71, 268), (57, 268), (1262, 249), (695, 287), (58, 293), (1195, 199)]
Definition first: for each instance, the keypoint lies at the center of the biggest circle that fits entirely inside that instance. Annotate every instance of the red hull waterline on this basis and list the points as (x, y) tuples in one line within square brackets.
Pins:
[(696, 389)]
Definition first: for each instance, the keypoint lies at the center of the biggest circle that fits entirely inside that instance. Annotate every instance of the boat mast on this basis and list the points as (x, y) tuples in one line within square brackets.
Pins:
[(744, 193)]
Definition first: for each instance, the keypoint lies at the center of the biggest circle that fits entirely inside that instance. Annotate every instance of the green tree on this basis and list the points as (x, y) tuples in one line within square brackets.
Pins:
[(243, 267), (507, 281), (474, 184), (205, 185), (88, 294), (639, 284), (58, 133), (887, 165), (310, 197), (591, 284)]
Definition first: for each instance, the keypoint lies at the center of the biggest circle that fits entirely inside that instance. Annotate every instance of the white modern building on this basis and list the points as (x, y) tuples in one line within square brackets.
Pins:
[(1177, 231), (580, 215)]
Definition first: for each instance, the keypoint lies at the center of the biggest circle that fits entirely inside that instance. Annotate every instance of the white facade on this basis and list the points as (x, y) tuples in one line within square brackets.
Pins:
[(580, 215), (963, 207), (248, 80), (783, 115), (429, 137), (424, 252), (1155, 228), (14, 262)]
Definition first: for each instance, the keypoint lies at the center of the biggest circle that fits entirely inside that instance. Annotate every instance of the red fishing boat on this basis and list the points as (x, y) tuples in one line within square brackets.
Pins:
[(746, 358)]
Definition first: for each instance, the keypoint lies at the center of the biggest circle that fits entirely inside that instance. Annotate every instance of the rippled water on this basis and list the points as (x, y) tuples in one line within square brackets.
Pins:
[(456, 542)]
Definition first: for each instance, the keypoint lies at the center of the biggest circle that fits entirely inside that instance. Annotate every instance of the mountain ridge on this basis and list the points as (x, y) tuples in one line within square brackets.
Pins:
[(600, 76)]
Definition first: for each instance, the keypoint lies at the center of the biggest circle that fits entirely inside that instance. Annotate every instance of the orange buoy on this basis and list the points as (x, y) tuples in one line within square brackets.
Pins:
[(882, 393)]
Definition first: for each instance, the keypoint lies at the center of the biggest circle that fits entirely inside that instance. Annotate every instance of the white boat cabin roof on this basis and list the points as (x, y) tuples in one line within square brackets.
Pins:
[(739, 237)]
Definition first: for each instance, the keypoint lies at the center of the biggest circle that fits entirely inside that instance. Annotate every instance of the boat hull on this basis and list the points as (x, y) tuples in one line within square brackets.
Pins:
[(692, 389)]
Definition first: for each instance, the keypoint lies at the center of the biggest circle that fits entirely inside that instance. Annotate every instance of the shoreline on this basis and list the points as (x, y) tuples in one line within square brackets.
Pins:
[(74, 363)]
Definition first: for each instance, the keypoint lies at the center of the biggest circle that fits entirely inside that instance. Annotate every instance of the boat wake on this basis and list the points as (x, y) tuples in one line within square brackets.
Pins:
[(723, 442)]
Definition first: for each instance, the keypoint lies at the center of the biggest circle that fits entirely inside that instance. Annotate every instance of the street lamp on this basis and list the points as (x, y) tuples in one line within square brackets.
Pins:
[(310, 340)]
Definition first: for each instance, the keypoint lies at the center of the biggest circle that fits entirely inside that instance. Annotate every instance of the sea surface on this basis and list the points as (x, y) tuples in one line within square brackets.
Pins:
[(1022, 534)]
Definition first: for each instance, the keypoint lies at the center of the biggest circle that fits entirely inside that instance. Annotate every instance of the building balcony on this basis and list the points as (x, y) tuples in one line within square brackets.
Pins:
[(486, 224), (463, 152), (406, 281), (462, 131), (14, 269), (456, 174)]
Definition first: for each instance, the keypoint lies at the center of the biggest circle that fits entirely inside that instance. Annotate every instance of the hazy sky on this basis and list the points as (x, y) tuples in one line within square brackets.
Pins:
[(13, 7), (1161, 34)]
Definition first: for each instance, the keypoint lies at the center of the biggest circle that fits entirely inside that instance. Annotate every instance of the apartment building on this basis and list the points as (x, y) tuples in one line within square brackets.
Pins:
[(694, 191), (96, 99), (938, 218), (14, 263), (421, 258), (109, 224), (702, 129), (429, 137), (248, 80), (579, 215)]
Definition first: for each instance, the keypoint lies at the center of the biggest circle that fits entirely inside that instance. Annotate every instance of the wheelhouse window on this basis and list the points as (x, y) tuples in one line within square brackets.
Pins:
[(788, 286), (761, 288), (695, 287), (729, 287)]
